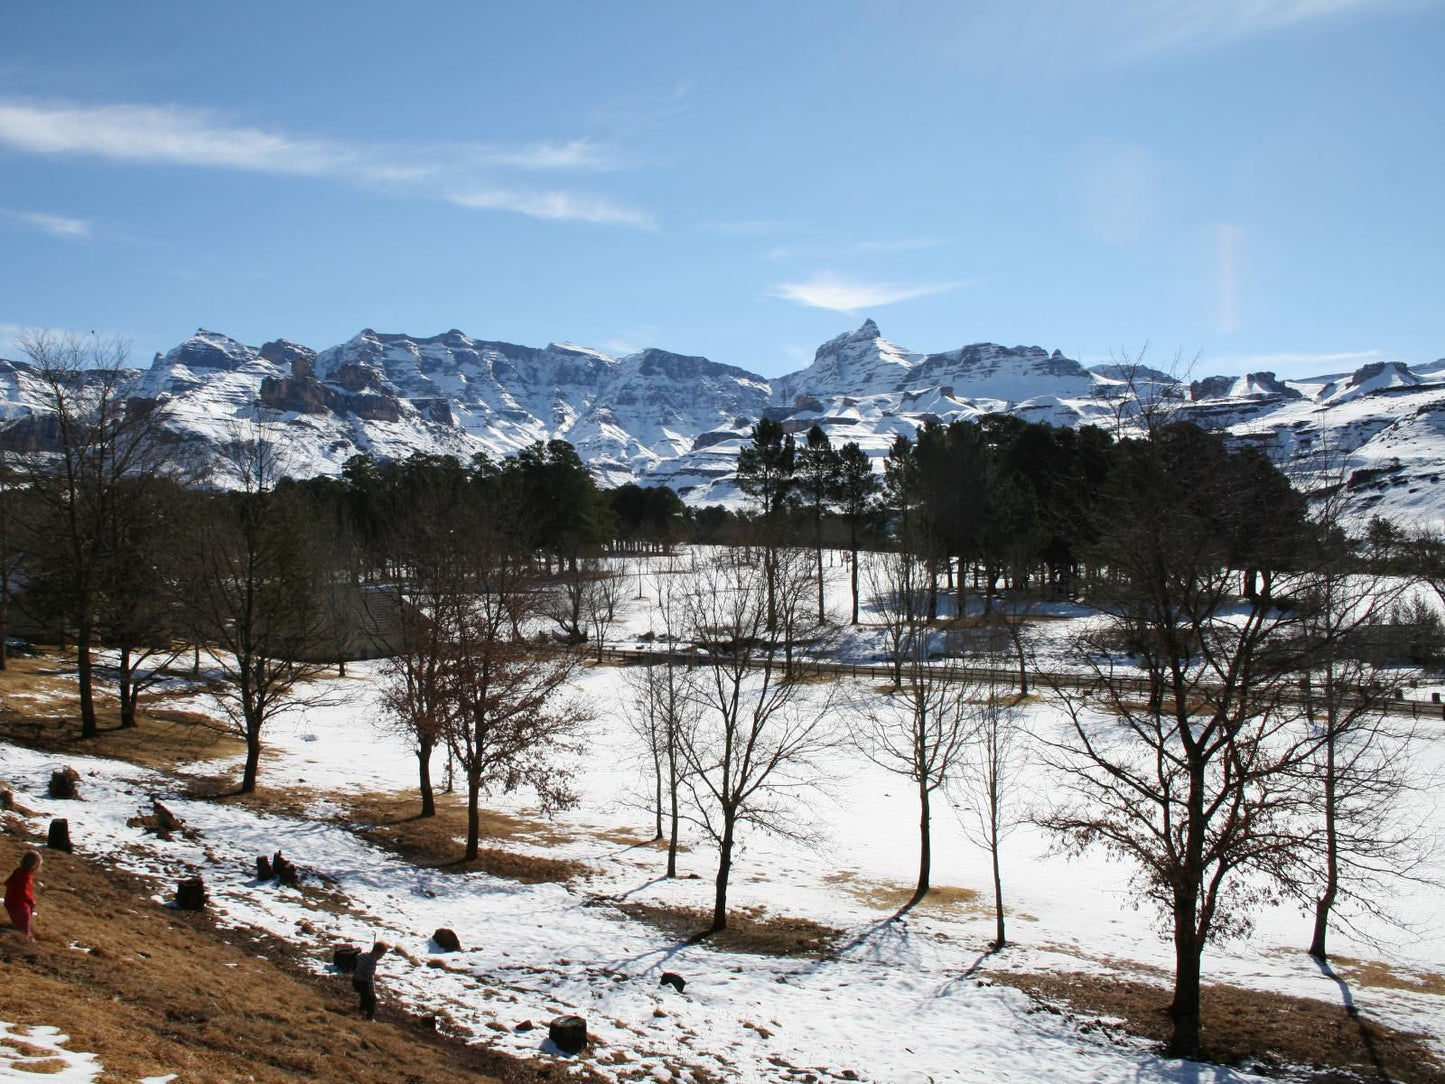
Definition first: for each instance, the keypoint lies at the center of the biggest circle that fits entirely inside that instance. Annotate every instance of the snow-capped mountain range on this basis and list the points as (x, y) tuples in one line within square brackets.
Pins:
[(661, 418)]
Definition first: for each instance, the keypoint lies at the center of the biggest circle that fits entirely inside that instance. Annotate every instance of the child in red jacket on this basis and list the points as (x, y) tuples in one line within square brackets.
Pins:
[(20, 893)]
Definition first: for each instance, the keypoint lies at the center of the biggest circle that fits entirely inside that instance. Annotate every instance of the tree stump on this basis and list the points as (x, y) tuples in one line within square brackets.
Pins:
[(344, 957), (263, 868), (673, 979), (59, 837), (191, 894), (7, 800), (447, 940), (63, 783), (568, 1034)]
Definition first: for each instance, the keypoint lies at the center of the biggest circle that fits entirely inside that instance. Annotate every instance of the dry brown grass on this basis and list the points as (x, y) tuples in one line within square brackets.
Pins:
[(40, 707), (1388, 977), (393, 821), (892, 896), (750, 929), (151, 990), (1271, 1032)]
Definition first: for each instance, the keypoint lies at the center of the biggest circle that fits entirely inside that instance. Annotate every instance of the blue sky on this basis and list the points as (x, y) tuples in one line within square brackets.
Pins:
[(1257, 183)]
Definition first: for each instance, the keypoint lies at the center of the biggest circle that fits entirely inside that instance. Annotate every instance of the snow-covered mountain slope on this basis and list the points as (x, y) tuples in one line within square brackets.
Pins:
[(664, 418)]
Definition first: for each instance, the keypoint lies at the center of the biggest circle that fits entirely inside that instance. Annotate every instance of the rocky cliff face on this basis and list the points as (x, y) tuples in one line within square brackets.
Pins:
[(664, 418)]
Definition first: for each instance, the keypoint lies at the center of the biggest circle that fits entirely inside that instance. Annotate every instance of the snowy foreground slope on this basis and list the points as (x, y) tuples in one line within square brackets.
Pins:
[(665, 418), (904, 1002)]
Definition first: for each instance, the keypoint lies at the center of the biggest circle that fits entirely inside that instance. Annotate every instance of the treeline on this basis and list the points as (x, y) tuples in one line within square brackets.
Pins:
[(1002, 503)]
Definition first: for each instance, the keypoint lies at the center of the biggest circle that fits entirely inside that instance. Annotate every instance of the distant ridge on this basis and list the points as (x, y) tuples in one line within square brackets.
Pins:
[(659, 417)]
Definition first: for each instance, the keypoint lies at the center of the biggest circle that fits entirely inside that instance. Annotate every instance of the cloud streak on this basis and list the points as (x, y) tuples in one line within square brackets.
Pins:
[(554, 206), (175, 136), (1160, 25), (70, 229), (1067, 35), (849, 295)]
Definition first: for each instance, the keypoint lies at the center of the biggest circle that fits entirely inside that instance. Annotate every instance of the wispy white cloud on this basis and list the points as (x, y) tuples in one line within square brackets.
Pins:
[(1147, 26), (1064, 36), (71, 229), (644, 111), (575, 154), (850, 295), (554, 206), (172, 135), (163, 134)]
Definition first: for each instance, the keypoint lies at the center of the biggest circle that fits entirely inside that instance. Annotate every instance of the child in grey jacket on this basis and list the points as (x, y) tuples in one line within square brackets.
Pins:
[(363, 981)]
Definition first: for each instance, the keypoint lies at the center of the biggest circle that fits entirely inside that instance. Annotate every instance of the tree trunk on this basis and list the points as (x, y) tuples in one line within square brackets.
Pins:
[(1188, 938), (818, 549), (88, 726), (770, 574), (657, 792), (853, 543), (423, 757), (674, 814), (253, 760), (1000, 939), (127, 690), (925, 846), (1326, 901), (1184, 1042), (724, 870), (474, 816)]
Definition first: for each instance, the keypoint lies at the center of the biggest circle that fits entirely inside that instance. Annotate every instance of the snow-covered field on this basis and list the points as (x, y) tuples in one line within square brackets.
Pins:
[(906, 1000)]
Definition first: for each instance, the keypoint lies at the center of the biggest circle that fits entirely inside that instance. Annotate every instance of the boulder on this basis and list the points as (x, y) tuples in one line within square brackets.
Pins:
[(447, 940)]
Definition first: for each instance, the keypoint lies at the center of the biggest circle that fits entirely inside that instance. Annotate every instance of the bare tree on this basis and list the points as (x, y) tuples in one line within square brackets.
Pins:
[(989, 788), (565, 601), (1181, 755), (1142, 399), (430, 601), (1010, 615), (605, 597), (664, 715), (761, 729), (137, 611), (18, 512), (921, 727), (509, 718), (255, 593), (91, 437), (1359, 770), (898, 589)]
